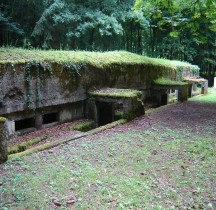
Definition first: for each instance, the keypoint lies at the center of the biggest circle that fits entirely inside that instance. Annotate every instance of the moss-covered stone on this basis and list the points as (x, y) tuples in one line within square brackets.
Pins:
[(24, 145), (183, 95), (83, 126), (116, 93), (118, 115), (2, 119), (168, 82), (135, 109)]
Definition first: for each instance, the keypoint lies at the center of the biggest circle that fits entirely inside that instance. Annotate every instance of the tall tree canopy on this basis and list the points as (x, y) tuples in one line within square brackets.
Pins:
[(174, 29), (182, 29)]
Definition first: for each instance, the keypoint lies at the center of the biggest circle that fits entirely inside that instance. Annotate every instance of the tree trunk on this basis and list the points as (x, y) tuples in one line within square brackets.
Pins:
[(131, 36), (139, 40)]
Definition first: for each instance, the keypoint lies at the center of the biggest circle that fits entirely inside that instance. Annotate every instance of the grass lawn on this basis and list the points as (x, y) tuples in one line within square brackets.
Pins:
[(164, 160), (209, 98)]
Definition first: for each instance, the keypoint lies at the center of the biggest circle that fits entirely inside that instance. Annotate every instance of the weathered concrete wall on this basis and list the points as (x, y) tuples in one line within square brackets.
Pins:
[(29, 95), (65, 112), (59, 88), (52, 90)]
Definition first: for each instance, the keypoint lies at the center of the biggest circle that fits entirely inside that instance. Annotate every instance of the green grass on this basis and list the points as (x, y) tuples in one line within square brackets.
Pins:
[(96, 59), (209, 98), (149, 163), (126, 175), (165, 81)]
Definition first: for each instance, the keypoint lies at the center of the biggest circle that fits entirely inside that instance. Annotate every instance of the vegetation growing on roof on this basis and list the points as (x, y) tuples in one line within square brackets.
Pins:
[(116, 93), (165, 81), (96, 59)]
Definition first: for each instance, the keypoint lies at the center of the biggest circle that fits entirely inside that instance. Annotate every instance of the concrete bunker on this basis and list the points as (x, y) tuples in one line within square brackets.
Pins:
[(45, 89), (192, 85), (48, 90), (164, 88), (107, 100)]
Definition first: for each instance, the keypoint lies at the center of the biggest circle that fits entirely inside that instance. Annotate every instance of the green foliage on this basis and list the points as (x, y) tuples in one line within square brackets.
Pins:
[(63, 23), (73, 69), (181, 30), (9, 26)]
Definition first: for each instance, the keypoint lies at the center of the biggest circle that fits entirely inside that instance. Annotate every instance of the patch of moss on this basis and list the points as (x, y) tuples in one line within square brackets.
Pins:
[(83, 126), (2, 119), (119, 115), (23, 146), (13, 150), (116, 93), (136, 109), (165, 81)]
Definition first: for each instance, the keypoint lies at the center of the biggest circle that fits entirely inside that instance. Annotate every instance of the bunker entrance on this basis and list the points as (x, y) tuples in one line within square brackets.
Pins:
[(24, 124), (164, 99), (105, 113), (50, 118)]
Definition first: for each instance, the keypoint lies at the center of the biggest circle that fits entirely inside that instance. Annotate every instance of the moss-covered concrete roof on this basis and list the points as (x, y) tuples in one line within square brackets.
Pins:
[(194, 80), (116, 93), (168, 82), (97, 59)]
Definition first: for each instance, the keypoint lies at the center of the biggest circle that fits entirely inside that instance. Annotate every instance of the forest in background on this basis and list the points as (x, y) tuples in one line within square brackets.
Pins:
[(175, 29)]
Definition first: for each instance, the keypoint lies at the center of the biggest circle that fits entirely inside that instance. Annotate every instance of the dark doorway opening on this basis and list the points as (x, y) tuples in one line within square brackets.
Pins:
[(164, 99), (24, 124), (50, 118), (105, 113)]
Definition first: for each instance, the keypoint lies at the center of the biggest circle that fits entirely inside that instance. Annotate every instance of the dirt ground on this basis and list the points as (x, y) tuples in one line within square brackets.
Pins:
[(163, 160)]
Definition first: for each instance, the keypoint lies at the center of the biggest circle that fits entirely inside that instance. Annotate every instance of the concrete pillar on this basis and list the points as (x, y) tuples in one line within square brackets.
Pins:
[(204, 89), (10, 124), (190, 90), (183, 95), (194, 87), (96, 114), (3, 140), (38, 120)]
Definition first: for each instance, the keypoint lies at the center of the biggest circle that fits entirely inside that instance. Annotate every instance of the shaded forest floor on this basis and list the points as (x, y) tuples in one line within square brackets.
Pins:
[(163, 160)]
